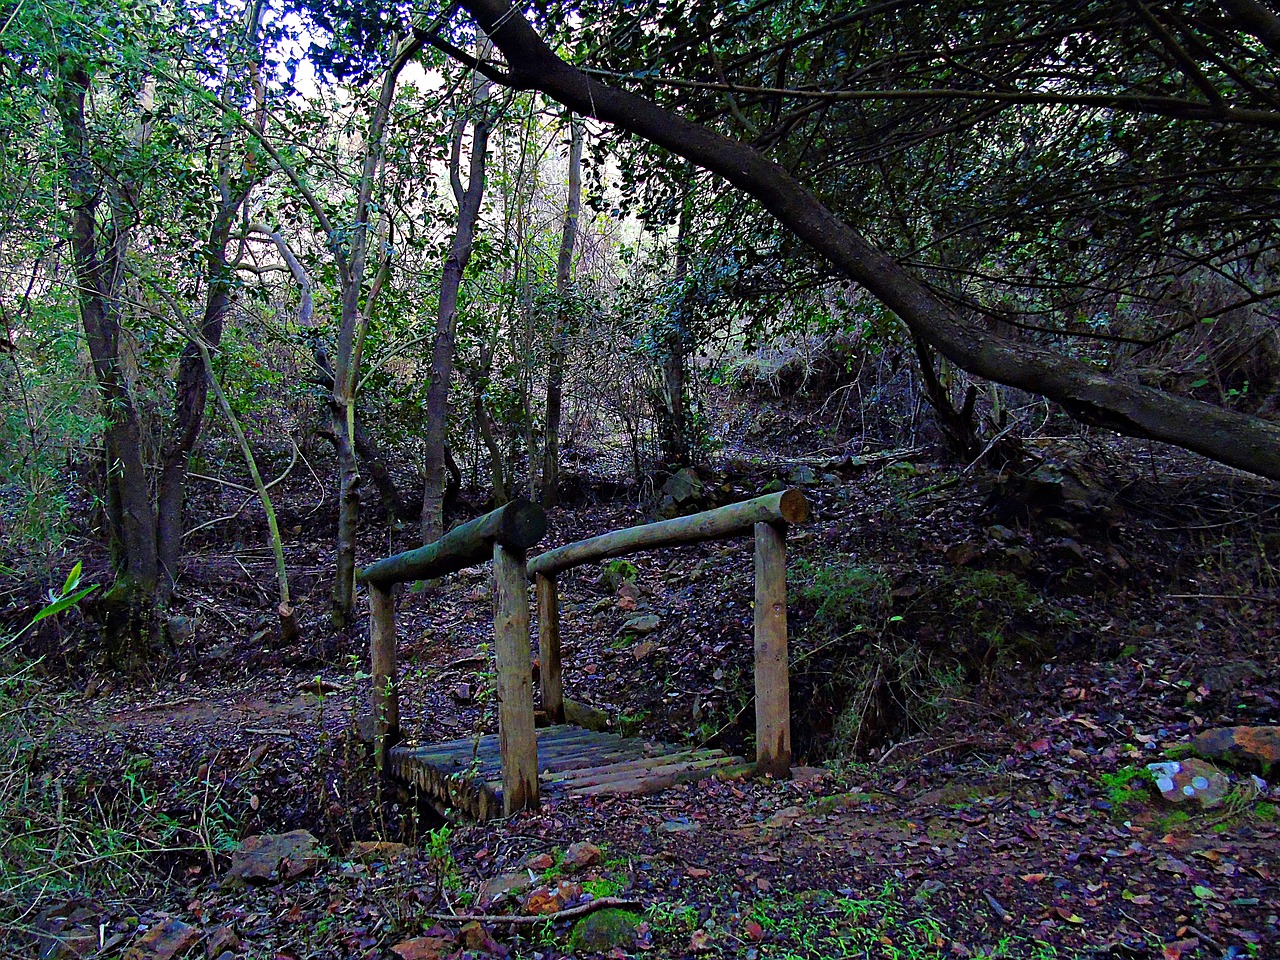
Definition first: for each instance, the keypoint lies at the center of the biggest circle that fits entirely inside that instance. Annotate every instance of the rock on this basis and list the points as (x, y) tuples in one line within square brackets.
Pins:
[(425, 948), (180, 629), (462, 693), (220, 940), (1252, 746), (679, 826), (539, 862), (551, 898), (585, 716), (168, 939), (803, 476), (320, 687), (67, 931), (1190, 781), (628, 591), (273, 858), (504, 885), (962, 553), (684, 487), (476, 937), (581, 855), (1001, 533), (641, 626), (605, 931), (370, 851), (644, 649)]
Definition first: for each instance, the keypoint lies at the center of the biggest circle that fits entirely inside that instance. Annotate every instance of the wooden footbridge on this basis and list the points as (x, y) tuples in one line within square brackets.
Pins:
[(498, 775)]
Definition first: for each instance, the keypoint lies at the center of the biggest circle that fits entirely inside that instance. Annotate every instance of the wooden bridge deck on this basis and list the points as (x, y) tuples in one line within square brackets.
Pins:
[(467, 774)]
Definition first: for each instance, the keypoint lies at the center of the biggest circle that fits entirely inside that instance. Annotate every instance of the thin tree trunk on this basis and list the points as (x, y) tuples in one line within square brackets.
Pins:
[(560, 337), (484, 422), (351, 332), (436, 432), (129, 606), (672, 339)]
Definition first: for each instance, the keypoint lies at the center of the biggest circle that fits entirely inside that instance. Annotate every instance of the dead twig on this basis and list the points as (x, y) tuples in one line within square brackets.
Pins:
[(528, 920)]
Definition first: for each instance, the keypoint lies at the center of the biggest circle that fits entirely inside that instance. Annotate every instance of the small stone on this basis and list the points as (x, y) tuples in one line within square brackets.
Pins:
[(180, 629), (803, 476), (641, 625), (168, 939), (581, 855), (1258, 746), (539, 862), (644, 649), (475, 936), (221, 939), (507, 884), (272, 858), (425, 948), (962, 553), (551, 898), (679, 826), (462, 693), (1193, 781), (684, 487), (370, 851)]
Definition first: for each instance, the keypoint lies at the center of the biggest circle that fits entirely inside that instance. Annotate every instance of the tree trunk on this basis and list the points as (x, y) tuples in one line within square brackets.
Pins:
[(1088, 394), (484, 422), (189, 404), (436, 432), (958, 428), (129, 606), (560, 337), (671, 337)]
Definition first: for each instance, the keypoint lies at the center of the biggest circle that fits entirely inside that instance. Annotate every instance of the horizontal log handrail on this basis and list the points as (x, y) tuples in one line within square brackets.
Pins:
[(517, 526), (502, 536), (767, 517), (789, 506)]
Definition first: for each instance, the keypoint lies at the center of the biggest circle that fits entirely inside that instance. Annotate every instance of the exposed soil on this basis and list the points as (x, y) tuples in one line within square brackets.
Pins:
[(1011, 653)]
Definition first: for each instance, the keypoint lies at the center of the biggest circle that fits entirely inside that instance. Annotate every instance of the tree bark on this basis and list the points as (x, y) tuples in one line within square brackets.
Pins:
[(436, 431), (191, 394), (671, 336), (1085, 392), (129, 606), (560, 337)]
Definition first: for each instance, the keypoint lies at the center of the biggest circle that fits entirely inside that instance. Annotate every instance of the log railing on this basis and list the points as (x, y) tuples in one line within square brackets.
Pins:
[(768, 516), (502, 536)]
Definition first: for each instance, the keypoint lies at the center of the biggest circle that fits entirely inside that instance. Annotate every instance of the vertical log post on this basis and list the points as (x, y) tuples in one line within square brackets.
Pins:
[(517, 742), (773, 685), (382, 646), (552, 681)]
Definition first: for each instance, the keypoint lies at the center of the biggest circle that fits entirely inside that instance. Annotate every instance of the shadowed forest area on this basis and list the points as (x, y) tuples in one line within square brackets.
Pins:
[(967, 311)]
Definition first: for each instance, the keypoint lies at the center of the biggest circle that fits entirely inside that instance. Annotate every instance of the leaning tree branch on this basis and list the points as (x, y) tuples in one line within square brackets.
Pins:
[(1087, 393)]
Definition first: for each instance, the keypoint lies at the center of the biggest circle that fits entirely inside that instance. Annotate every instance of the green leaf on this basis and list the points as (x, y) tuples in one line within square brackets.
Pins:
[(73, 579), (62, 603)]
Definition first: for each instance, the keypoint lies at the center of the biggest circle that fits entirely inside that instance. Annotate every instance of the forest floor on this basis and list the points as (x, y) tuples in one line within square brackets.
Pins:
[(982, 671)]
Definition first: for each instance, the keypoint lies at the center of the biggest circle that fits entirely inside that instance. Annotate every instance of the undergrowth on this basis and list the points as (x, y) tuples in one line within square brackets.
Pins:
[(888, 661), (826, 925), (65, 834)]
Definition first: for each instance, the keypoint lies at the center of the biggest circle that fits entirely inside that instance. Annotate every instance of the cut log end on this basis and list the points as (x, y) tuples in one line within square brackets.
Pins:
[(794, 506), (523, 524)]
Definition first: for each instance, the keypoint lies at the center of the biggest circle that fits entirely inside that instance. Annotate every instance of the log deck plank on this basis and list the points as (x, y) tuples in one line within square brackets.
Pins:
[(466, 774)]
